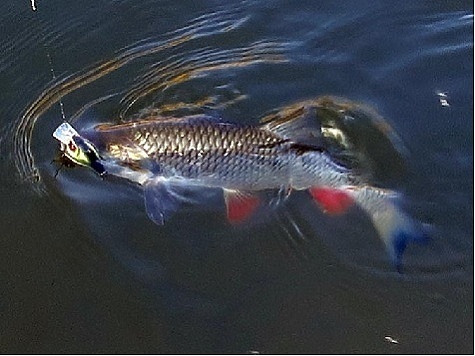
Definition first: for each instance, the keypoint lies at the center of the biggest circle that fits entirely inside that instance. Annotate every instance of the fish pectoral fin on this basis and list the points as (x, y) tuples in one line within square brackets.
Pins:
[(331, 200), (240, 205), (160, 201)]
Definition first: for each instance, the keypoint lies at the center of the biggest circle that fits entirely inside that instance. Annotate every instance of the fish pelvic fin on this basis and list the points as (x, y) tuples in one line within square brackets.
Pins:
[(394, 226), (240, 205)]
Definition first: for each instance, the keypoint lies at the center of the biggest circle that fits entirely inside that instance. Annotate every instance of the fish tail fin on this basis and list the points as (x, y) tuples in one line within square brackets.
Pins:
[(395, 227)]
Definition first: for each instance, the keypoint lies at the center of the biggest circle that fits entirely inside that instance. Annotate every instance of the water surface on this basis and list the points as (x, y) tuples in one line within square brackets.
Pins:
[(84, 270)]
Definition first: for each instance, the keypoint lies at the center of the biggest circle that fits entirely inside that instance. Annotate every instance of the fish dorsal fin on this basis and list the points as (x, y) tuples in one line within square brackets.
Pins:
[(352, 134), (296, 123), (362, 139)]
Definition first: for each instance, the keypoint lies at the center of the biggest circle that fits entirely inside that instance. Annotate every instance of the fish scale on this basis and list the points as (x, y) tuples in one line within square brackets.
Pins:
[(215, 153), (164, 155)]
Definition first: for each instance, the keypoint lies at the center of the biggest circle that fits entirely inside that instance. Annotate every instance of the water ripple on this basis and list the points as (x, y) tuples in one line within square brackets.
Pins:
[(181, 68)]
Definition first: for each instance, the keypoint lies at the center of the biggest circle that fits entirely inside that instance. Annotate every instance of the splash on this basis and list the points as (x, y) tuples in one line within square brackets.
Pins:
[(354, 133)]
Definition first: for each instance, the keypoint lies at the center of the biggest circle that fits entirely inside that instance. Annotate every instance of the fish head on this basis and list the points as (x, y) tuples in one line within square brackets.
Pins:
[(78, 150)]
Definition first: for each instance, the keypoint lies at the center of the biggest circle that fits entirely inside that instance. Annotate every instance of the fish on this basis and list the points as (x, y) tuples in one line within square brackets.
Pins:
[(169, 156)]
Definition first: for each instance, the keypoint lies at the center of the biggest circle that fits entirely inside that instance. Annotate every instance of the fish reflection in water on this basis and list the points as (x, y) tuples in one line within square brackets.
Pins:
[(172, 158)]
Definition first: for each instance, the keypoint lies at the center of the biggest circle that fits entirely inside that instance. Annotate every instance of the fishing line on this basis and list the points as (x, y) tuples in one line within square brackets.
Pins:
[(61, 159), (50, 62)]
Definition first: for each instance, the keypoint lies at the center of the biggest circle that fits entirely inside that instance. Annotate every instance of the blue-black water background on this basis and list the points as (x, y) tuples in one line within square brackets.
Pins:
[(84, 270)]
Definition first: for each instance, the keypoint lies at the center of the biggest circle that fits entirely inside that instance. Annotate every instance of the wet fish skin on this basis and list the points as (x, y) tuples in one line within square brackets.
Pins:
[(165, 153), (218, 154)]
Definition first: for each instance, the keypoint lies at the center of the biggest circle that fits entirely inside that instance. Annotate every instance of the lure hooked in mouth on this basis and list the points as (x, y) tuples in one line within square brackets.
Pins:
[(77, 149)]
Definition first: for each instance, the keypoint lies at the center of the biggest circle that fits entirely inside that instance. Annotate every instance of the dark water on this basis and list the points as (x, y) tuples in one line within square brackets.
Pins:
[(84, 270)]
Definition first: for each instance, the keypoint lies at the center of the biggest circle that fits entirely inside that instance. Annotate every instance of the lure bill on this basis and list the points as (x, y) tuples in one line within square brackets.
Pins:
[(170, 156)]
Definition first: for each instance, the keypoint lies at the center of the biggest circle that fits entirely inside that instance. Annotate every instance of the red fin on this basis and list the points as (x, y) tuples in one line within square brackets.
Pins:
[(333, 201), (240, 205)]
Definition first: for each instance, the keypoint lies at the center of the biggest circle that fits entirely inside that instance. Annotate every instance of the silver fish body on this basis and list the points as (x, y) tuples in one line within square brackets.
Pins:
[(215, 154), (166, 154)]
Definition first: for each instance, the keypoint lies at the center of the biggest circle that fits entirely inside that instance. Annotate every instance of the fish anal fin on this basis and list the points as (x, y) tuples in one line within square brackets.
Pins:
[(240, 205), (332, 201)]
